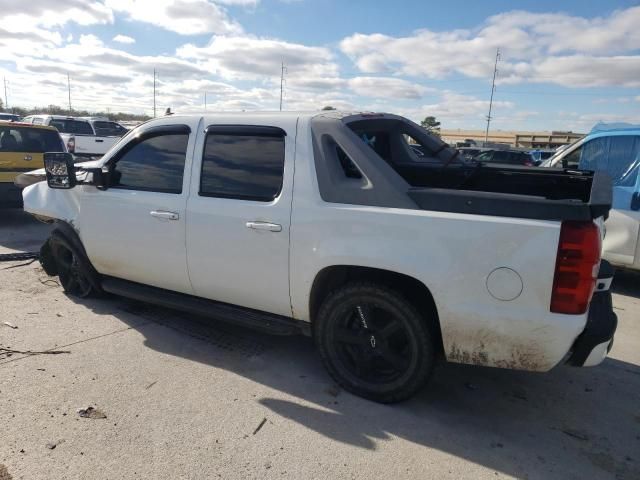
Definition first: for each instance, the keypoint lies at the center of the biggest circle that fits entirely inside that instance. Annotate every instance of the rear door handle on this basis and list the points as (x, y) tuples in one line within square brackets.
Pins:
[(271, 227), (99, 141), (164, 214)]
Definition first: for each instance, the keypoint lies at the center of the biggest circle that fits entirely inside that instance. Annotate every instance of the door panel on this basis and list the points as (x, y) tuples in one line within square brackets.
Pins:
[(123, 239), (135, 229), (238, 248)]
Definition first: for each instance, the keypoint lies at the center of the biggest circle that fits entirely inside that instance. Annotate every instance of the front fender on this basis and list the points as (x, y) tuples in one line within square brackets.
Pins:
[(45, 202)]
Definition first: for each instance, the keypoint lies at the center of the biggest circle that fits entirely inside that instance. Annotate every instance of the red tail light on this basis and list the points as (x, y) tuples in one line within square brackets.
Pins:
[(71, 145), (576, 267)]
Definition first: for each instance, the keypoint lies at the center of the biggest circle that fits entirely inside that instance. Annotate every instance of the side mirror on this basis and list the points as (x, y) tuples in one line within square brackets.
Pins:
[(60, 170), (635, 201)]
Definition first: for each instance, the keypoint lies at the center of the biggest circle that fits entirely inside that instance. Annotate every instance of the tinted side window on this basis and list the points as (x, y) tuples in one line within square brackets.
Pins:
[(501, 156), (624, 160), (72, 126), (484, 157), (616, 155), (108, 129), (571, 160), (248, 167), (155, 164)]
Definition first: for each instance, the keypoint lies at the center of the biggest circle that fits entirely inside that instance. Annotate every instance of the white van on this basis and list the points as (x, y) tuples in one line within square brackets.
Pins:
[(615, 149)]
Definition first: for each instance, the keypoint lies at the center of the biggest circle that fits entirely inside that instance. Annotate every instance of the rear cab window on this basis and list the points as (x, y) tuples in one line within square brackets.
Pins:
[(76, 127), (109, 129), (29, 140), (244, 163)]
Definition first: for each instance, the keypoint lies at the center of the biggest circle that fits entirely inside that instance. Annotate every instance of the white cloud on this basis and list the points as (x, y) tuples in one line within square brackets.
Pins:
[(242, 3), (25, 15), (555, 48), (386, 87), (258, 58), (186, 17), (124, 39)]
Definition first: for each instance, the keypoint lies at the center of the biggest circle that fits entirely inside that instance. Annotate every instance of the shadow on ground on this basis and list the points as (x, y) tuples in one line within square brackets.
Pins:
[(626, 282), (19, 231), (568, 423)]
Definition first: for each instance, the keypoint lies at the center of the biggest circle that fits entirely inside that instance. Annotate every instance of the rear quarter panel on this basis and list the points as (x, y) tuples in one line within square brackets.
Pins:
[(452, 255)]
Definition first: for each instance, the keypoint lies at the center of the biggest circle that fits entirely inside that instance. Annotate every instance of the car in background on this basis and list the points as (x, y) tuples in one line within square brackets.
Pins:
[(469, 153), (9, 117), (87, 137), (21, 150), (505, 157), (614, 149)]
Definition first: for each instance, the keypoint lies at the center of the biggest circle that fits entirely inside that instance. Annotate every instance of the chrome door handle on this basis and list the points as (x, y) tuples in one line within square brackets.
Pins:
[(271, 227), (164, 214)]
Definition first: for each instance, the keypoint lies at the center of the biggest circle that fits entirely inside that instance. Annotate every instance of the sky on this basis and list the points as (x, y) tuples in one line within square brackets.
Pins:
[(563, 65)]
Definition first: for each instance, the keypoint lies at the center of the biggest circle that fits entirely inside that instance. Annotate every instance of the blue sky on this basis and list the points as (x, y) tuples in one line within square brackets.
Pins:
[(563, 65)]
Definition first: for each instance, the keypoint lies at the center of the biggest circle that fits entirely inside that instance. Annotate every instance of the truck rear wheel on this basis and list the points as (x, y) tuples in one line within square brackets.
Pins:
[(69, 265), (373, 342)]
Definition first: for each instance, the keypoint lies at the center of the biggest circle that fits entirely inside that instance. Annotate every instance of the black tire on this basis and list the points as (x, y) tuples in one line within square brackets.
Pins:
[(71, 267), (374, 343)]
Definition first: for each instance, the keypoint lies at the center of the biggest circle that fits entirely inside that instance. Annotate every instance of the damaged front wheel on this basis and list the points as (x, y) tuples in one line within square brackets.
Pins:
[(73, 276)]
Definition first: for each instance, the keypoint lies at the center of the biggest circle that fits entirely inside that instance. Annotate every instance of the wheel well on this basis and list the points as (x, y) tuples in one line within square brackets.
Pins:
[(330, 278)]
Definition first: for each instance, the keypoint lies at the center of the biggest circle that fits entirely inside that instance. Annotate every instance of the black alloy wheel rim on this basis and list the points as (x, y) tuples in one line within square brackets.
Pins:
[(71, 276), (373, 344)]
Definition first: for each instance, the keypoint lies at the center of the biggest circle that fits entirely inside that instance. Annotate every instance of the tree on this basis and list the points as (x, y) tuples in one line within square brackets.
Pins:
[(328, 107), (431, 125)]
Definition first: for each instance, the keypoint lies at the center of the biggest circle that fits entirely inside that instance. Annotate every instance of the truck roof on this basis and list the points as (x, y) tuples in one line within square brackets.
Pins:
[(287, 114)]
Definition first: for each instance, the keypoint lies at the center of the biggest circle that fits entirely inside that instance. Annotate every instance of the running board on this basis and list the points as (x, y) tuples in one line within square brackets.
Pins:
[(254, 319)]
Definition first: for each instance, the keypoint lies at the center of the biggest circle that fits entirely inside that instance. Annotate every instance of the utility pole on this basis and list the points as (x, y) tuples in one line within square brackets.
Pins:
[(69, 90), (205, 100), (6, 102), (283, 70), (154, 93), (493, 89)]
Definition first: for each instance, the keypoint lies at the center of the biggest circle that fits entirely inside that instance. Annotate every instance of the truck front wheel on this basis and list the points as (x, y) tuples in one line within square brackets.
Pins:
[(374, 342), (70, 267)]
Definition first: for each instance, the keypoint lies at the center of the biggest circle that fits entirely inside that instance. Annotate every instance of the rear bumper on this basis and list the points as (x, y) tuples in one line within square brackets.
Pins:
[(593, 344)]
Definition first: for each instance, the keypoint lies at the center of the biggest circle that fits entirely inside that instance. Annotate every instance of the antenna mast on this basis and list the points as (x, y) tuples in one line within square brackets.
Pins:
[(493, 89), (283, 70), (154, 93), (69, 90)]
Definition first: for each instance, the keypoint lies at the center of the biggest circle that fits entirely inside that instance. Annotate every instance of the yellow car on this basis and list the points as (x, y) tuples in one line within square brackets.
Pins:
[(21, 148)]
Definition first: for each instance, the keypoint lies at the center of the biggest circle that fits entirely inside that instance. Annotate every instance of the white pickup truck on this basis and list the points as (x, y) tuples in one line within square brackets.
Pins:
[(329, 225), (83, 136)]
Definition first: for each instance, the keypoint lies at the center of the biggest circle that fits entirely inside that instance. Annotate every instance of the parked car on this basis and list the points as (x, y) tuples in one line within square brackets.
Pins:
[(470, 153), (21, 149), (83, 136), (9, 117), (616, 151), (506, 157), (387, 261)]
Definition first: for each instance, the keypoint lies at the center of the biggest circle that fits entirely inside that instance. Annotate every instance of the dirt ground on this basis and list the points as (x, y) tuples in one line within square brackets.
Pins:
[(186, 398)]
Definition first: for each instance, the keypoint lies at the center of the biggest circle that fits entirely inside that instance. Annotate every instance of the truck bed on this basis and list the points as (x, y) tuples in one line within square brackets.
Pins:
[(523, 192)]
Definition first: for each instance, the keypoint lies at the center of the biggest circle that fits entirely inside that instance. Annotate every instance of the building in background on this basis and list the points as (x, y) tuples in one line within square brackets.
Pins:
[(529, 140)]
